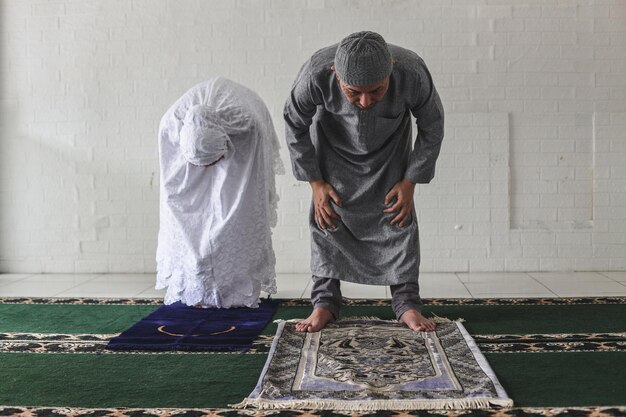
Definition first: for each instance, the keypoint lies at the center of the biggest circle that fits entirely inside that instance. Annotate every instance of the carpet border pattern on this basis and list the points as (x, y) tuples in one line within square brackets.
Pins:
[(21, 411), (96, 344), (291, 302)]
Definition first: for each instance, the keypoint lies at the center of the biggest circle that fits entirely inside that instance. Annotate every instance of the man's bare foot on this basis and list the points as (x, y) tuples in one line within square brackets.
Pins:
[(318, 319), (416, 322)]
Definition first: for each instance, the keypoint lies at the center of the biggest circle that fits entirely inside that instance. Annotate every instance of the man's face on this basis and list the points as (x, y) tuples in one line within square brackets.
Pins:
[(364, 97)]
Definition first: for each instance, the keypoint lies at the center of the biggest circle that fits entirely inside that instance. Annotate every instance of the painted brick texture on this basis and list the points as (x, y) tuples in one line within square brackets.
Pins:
[(532, 174)]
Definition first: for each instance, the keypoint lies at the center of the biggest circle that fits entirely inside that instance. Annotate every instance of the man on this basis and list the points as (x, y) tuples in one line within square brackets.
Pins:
[(348, 127), (219, 153)]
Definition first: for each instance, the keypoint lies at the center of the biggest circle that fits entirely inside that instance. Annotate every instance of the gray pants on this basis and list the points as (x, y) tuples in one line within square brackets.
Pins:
[(326, 293)]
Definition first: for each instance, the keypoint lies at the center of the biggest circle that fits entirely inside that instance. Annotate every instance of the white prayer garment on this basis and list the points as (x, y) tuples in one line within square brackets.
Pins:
[(218, 153)]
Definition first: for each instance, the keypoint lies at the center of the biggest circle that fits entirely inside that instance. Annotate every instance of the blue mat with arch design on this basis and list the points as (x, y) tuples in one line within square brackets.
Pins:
[(180, 327)]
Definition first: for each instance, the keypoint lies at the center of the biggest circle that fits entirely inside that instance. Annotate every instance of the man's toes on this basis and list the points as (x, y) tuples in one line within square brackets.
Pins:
[(428, 327)]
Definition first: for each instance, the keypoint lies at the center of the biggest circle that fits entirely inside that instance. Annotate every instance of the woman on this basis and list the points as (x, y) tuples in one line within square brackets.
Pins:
[(218, 153)]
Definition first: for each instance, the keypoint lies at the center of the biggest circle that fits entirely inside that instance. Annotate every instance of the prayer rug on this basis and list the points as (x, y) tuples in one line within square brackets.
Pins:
[(180, 327), (370, 364)]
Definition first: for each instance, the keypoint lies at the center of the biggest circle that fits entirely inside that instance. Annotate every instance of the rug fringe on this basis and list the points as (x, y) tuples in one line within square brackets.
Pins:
[(438, 319), (376, 405)]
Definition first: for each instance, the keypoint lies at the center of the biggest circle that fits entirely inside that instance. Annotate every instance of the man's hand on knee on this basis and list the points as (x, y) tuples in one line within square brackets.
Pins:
[(323, 192), (403, 193)]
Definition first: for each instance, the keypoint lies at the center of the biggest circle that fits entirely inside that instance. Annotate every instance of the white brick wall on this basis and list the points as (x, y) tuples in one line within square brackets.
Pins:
[(532, 174)]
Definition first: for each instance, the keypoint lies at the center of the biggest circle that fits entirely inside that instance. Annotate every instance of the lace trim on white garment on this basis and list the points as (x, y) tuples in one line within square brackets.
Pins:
[(197, 288)]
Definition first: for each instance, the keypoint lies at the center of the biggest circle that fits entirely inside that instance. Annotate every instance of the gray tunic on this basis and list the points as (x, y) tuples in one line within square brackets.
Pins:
[(363, 154)]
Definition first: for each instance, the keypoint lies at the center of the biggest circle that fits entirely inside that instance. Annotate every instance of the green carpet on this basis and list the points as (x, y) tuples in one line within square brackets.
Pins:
[(93, 380), (70, 318), (127, 380), (479, 319), (562, 379)]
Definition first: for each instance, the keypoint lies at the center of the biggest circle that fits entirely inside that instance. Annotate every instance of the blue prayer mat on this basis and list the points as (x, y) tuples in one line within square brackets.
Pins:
[(180, 327)]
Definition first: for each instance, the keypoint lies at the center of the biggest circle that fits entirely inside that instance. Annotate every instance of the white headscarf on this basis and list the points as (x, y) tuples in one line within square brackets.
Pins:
[(203, 140)]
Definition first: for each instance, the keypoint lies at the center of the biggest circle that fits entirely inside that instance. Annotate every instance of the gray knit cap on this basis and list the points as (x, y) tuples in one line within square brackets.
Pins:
[(363, 58)]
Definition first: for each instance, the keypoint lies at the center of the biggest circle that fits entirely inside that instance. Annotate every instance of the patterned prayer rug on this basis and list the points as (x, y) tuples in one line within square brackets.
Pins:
[(370, 364), (180, 327)]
